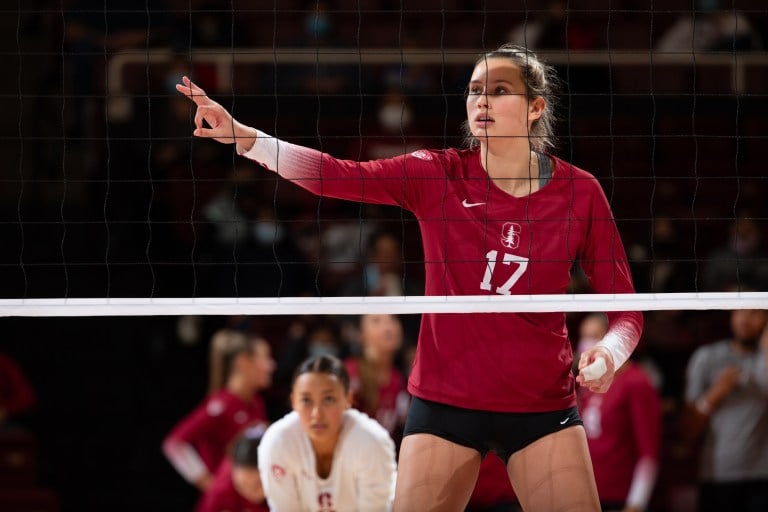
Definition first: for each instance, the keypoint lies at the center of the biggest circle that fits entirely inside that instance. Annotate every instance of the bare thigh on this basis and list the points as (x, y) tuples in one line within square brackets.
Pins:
[(554, 474), (434, 474)]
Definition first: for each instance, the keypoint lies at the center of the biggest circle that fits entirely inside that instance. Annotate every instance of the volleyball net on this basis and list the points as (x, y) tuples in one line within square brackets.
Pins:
[(111, 207)]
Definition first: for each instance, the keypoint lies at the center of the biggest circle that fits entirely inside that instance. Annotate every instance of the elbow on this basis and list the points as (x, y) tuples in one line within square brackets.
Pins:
[(169, 446)]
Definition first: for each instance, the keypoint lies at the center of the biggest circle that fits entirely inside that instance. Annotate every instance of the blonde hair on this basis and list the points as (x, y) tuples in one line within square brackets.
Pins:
[(540, 82), (226, 346)]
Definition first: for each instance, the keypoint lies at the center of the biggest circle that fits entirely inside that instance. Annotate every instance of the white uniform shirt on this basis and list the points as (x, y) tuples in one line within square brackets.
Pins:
[(362, 475)]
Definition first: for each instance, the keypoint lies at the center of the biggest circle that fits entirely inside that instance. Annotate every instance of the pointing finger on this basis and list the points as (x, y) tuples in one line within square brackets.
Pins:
[(192, 91)]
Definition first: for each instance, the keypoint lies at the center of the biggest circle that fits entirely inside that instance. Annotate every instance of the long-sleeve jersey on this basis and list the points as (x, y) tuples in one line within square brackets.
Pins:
[(623, 429), (362, 476), (479, 239), (198, 443)]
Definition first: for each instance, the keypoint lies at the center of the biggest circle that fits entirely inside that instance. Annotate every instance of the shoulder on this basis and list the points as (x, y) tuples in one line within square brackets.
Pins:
[(707, 354), (219, 402), (578, 177), (361, 429), (286, 429), (440, 158)]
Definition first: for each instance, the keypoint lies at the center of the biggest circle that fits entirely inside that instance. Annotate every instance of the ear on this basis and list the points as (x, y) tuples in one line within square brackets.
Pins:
[(536, 108)]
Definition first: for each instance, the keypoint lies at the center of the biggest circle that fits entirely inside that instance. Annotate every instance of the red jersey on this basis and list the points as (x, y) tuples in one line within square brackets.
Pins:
[(16, 395), (623, 426), (393, 398), (204, 435), (480, 240), (222, 496)]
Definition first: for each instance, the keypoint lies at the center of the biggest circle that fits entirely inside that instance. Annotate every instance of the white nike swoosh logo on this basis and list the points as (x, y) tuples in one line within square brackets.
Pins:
[(465, 204), (564, 421)]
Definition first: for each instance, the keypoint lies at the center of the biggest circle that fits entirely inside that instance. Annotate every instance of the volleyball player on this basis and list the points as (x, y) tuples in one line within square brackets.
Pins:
[(325, 456), (236, 487), (241, 366), (378, 387), (623, 429), (501, 216)]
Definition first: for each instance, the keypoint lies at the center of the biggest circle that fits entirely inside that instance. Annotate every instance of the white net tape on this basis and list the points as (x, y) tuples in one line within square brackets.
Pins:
[(394, 305)]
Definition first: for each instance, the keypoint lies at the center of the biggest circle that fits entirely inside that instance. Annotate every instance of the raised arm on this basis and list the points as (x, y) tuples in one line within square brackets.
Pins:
[(222, 127), (396, 181)]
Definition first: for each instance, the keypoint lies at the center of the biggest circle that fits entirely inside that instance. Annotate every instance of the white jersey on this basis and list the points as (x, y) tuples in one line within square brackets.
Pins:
[(362, 475)]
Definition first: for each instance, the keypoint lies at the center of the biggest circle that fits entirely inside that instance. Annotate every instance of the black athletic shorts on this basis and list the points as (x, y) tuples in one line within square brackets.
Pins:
[(503, 432)]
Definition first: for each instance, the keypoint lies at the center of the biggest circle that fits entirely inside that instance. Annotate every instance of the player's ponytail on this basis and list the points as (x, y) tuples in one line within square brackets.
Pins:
[(226, 345)]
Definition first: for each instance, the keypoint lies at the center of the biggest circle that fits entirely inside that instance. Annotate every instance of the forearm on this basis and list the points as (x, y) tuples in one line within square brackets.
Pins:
[(643, 481), (623, 335), (185, 459), (376, 181)]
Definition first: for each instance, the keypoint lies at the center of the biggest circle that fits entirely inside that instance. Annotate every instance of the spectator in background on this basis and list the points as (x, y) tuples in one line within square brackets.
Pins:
[(243, 231), (741, 261), (395, 117), (312, 336), (623, 429), (94, 30), (241, 366), (383, 272), (236, 487), (662, 267), (321, 78), (384, 275), (552, 29), (16, 394), (711, 26), (377, 385), (727, 401), (269, 262)]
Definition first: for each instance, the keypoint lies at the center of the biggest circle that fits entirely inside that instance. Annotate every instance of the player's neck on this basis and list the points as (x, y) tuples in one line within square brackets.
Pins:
[(378, 359), (513, 167), (238, 387), (325, 448)]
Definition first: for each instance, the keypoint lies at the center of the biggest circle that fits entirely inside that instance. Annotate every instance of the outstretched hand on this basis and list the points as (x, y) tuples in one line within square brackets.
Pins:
[(221, 126), (604, 381)]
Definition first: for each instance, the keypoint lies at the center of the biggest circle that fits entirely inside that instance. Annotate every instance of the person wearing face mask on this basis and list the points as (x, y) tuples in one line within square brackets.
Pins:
[(623, 429), (394, 117), (742, 260), (726, 397), (269, 263), (324, 455)]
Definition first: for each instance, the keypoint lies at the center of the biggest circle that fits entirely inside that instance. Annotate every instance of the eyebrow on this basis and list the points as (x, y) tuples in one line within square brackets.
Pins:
[(499, 80), (328, 391)]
